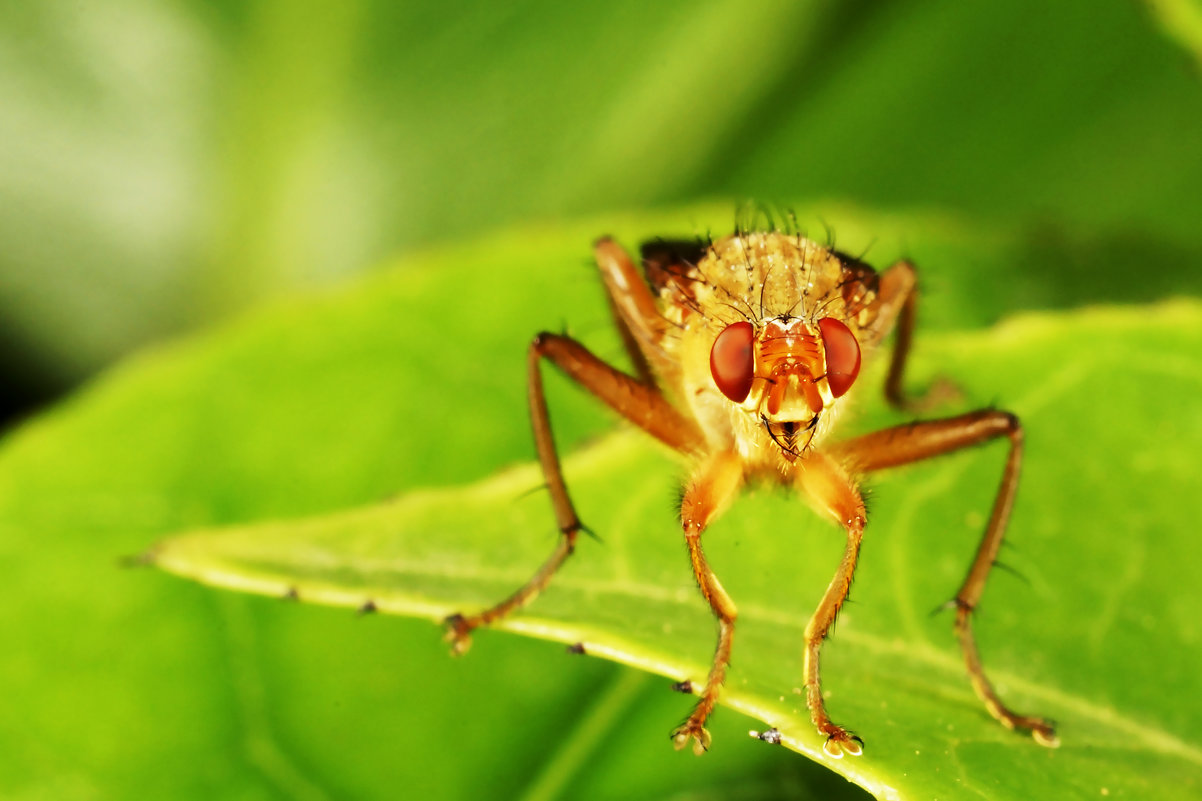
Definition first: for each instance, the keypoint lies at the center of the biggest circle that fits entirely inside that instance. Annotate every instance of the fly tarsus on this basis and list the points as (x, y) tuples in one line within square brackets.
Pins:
[(459, 627), (458, 633), (1043, 731), (692, 729)]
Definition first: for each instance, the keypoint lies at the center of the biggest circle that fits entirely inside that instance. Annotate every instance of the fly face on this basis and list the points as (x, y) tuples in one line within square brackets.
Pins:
[(802, 374), (772, 341)]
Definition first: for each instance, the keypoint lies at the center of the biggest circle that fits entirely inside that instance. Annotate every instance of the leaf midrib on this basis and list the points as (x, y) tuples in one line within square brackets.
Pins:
[(617, 648)]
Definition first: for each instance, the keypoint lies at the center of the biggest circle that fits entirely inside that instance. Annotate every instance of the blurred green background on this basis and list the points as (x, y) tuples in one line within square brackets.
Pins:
[(167, 165)]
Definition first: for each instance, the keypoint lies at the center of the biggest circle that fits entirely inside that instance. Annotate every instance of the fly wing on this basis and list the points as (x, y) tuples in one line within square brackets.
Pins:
[(860, 286), (672, 262)]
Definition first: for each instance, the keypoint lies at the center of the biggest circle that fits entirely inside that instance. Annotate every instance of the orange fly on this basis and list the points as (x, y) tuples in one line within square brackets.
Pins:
[(744, 350)]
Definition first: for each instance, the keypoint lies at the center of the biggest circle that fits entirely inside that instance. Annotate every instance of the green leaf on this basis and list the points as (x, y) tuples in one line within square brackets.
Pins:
[(1066, 644), (127, 683)]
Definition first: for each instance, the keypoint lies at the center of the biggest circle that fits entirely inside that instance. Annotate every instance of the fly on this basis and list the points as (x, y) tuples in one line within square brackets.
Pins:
[(744, 351)]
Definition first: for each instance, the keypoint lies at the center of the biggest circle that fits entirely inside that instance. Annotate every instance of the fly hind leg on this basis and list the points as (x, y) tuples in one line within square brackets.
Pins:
[(897, 306)]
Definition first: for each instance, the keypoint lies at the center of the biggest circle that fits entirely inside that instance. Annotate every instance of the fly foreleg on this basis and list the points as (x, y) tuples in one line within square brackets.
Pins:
[(833, 492), (709, 491)]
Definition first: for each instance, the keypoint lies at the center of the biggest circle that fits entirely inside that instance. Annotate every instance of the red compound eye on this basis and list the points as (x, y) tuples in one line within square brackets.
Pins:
[(731, 361), (842, 355)]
